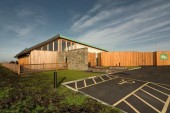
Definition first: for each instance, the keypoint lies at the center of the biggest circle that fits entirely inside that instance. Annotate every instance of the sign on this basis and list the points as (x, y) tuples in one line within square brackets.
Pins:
[(164, 56), (126, 81)]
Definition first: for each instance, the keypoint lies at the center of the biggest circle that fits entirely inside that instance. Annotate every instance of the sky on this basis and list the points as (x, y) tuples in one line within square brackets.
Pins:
[(114, 25)]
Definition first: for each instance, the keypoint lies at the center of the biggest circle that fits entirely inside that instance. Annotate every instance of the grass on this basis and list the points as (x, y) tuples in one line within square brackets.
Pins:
[(35, 93)]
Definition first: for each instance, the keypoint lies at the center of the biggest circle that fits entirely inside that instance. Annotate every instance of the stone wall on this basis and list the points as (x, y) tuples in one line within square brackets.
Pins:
[(61, 57), (76, 59)]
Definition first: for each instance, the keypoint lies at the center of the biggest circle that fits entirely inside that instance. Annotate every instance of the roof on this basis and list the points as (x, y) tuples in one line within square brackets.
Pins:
[(59, 36)]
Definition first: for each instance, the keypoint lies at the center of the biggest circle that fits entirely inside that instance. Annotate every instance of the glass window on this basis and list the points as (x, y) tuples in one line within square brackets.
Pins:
[(51, 46), (38, 49), (73, 45), (63, 45), (56, 45), (45, 47), (68, 45)]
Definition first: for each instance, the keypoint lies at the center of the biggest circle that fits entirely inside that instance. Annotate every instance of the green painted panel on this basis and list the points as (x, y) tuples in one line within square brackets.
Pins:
[(164, 56)]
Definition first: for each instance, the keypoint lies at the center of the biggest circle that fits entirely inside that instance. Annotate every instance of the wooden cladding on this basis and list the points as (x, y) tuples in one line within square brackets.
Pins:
[(131, 58), (161, 62), (39, 57), (24, 60)]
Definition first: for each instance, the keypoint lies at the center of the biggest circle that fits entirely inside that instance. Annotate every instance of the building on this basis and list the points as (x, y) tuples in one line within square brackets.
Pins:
[(59, 49)]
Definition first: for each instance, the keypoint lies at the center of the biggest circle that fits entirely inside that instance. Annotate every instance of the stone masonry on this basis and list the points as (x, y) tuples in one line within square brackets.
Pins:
[(76, 59)]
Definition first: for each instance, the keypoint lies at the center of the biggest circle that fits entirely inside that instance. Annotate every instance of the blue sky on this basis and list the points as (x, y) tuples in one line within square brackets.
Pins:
[(115, 25)]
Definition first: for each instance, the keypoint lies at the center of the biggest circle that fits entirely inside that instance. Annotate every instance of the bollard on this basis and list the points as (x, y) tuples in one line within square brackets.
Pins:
[(55, 79)]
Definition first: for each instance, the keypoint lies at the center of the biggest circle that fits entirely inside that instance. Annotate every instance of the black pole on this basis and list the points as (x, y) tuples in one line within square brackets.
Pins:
[(55, 79)]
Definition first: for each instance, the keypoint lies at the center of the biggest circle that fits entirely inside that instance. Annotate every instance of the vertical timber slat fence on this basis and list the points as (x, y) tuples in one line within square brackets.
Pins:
[(31, 68), (131, 58)]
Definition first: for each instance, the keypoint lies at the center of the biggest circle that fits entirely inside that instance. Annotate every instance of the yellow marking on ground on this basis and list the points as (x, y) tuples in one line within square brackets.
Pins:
[(102, 78), (129, 95), (76, 85), (97, 83), (166, 105), (94, 81), (162, 86), (157, 90), (153, 96), (145, 81), (131, 106), (146, 103), (108, 76), (85, 83)]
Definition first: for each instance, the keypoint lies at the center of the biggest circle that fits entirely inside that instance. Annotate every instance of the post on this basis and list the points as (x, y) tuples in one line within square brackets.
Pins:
[(43, 67), (19, 69), (55, 79)]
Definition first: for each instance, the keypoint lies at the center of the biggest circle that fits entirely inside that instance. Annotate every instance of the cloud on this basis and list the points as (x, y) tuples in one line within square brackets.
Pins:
[(125, 25), (24, 13), (20, 30)]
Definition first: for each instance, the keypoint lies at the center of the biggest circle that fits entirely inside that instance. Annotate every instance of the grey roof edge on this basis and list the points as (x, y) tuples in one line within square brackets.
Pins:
[(28, 50), (64, 37)]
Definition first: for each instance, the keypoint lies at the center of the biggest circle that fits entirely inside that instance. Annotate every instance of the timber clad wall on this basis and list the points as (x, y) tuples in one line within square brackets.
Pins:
[(91, 59), (40, 57), (24, 60), (119, 59), (160, 62), (132, 58)]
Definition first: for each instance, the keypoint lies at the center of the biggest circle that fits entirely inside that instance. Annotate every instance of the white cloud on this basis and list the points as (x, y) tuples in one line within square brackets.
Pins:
[(24, 13), (121, 26), (20, 31)]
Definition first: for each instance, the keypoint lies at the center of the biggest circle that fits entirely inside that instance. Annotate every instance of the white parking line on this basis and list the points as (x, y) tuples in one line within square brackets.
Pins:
[(85, 85), (102, 78), (108, 76), (146, 103), (94, 81), (76, 85), (166, 105), (131, 106), (152, 95), (144, 81), (162, 86), (157, 90), (129, 95), (97, 83)]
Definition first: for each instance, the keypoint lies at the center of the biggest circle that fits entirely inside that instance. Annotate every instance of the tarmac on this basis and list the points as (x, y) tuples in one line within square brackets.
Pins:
[(145, 90)]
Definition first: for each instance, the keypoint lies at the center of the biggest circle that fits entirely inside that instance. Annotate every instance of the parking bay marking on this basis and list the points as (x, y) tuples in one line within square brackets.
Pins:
[(166, 105), (152, 95), (129, 94), (126, 81), (131, 106), (157, 90), (162, 86), (146, 103)]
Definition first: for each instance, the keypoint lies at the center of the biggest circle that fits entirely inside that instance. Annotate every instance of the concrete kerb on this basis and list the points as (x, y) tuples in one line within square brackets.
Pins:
[(134, 68), (82, 79), (124, 71)]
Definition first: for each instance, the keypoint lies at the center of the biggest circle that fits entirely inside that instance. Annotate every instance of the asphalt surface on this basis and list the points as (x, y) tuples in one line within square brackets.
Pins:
[(151, 74), (146, 90)]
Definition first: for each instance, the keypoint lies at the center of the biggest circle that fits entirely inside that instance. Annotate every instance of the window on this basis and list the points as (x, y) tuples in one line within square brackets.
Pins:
[(73, 45), (38, 49), (63, 45), (68, 45), (56, 45), (51, 46), (45, 47)]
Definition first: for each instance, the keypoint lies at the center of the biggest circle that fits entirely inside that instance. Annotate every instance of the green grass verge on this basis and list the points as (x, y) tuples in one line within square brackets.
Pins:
[(35, 93)]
